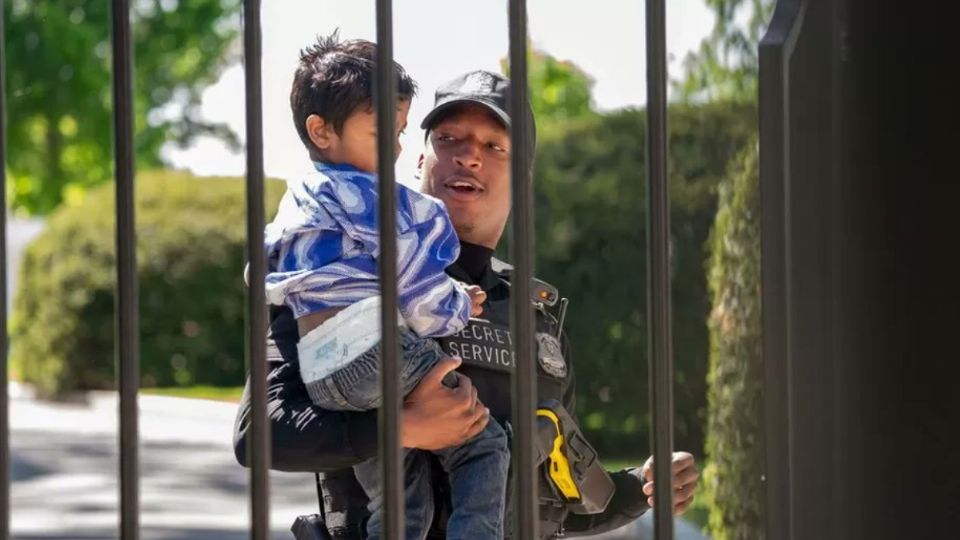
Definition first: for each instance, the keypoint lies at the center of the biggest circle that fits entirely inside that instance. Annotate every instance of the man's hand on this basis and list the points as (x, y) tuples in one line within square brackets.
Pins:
[(685, 477), (435, 416)]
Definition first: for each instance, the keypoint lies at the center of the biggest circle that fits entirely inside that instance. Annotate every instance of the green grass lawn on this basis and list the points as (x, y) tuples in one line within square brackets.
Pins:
[(217, 393)]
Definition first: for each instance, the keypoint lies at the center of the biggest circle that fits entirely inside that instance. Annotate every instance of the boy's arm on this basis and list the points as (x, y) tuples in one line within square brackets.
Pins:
[(437, 306), (310, 268), (432, 303)]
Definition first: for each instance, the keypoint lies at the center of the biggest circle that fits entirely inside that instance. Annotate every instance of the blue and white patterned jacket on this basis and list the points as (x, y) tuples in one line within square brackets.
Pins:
[(323, 245)]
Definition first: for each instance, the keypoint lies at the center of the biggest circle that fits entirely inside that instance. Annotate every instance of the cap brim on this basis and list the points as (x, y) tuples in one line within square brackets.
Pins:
[(440, 108)]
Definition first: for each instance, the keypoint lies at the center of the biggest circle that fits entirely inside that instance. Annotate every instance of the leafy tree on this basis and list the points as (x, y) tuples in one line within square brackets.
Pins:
[(59, 87), (559, 90), (590, 228), (191, 236), (725, 65), (590, 191)]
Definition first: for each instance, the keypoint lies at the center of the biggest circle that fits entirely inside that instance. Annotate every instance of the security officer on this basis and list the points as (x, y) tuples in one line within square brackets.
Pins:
[(466, 164)]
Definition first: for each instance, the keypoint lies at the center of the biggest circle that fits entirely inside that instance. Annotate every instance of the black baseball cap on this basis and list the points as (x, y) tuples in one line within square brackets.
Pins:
[(492, 90)]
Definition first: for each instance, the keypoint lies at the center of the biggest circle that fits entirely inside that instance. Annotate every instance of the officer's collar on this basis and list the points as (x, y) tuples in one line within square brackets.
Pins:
[(477, 266), (474, 260)]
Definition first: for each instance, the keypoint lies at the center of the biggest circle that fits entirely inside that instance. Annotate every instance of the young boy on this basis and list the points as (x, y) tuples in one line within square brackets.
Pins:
[(322, 251)]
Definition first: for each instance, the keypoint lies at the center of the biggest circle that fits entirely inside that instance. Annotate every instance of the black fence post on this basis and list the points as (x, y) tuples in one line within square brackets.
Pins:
[(775, 50), (522, 253), (389, 418), (259, 443), (128, 312), (4, 345), (658, 244)]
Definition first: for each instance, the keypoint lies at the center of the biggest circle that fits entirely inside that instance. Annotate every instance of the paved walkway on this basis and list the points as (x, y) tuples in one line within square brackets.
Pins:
[(65, 460)]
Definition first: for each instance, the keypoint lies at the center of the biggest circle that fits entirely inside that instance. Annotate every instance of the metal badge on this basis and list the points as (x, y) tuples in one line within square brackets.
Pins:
[(550, 355)]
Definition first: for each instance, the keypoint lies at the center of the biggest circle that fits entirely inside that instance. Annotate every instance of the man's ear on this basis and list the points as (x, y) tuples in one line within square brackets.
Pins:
[(321, 133)]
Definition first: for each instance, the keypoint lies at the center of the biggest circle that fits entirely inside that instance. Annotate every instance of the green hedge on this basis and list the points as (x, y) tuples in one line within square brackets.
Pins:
[(733, 481), (190, 256), (591, 243)]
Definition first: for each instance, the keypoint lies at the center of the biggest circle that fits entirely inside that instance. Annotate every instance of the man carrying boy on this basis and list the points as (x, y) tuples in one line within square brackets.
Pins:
[(322, 251), (466, 164)]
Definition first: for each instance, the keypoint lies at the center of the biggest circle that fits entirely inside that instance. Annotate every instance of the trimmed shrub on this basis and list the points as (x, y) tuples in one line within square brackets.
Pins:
[(734, 479), (190, 256), (591, 243)]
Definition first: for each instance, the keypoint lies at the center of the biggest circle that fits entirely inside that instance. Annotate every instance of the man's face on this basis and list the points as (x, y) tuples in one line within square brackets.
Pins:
[(466, 164)]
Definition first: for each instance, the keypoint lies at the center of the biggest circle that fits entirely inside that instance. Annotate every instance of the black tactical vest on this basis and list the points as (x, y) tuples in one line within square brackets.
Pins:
[(484, 345)]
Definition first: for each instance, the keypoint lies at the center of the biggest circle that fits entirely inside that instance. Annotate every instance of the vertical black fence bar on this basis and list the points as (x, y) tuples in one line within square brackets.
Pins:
[(128, 312), (4, 345), (390, 451), (522, 320), (658, 244), (256, 301)]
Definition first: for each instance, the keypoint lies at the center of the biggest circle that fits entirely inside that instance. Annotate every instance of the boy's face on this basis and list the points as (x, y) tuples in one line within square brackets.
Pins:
[(356, 144)]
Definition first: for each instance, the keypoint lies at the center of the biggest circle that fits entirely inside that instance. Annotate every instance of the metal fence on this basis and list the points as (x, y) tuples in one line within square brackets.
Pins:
[(522, 323)]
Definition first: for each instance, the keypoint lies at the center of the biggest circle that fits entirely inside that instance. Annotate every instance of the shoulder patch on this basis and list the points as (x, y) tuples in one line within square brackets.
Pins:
[(542, 291)]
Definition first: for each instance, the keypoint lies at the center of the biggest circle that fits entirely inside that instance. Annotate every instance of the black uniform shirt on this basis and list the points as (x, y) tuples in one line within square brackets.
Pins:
[(306, 438)]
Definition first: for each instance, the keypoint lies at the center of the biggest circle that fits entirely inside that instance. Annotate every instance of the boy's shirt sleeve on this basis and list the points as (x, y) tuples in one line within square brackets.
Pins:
[(326, 254), (431, 303), (313, 264)]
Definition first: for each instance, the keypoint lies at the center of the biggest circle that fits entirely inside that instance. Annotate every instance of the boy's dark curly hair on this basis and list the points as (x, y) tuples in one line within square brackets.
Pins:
[(333, 79)]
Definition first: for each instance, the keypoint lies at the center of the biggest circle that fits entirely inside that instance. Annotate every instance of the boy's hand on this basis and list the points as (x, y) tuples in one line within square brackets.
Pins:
[(478, 297)]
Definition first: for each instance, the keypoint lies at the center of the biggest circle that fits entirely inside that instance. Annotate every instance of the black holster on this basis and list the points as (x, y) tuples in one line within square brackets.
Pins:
[(310, 527)]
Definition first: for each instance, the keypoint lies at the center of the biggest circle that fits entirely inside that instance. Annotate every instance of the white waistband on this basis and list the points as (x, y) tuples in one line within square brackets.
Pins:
[(340, 339)]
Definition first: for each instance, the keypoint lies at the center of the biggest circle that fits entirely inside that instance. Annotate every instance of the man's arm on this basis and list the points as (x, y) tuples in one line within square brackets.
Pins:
[(306, 438), (634, 496), (628, 502), (633, 486)]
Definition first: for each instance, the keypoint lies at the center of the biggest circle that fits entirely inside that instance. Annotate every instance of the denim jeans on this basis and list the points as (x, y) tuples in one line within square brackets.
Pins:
[(477, 469)]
